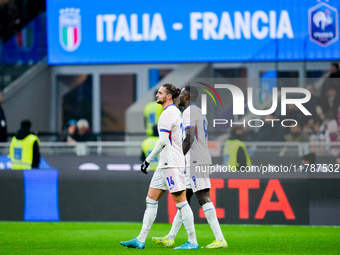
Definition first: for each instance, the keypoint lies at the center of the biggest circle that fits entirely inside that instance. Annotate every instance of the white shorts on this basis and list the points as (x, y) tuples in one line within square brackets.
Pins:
[(196, 180), (172, 179)]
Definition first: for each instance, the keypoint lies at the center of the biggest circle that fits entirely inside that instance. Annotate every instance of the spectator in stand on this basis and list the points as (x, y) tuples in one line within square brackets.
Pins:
[(71, 132), (296, 134), (312, 129), (317, 132), (330, 126), (84, 132), (331, 134), (267, 133), (313, 101), (3, 123), (334, 70), (328, 103), (293, 112), (309, 127)]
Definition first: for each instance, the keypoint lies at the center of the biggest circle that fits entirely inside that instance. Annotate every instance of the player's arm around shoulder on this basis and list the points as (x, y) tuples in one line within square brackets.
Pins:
[(189, 139)]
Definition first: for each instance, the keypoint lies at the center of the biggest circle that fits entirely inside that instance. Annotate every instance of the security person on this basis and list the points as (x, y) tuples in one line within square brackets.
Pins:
[(24, 148), (148, 145), (152, 111), (235, 152)]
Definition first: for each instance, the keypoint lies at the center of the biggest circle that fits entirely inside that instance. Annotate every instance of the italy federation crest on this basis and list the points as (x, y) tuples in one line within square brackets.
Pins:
[(323, 24), (69, 28)]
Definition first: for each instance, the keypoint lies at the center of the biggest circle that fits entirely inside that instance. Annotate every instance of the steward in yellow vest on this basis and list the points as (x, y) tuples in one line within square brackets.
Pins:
[(235, 152), (152, 111), (24, 148), (148, 145)]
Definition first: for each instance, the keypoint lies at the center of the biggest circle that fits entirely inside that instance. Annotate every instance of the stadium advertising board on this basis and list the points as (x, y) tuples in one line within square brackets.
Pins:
[(255, 201), (250, 201), (76, 193), (80, 32)]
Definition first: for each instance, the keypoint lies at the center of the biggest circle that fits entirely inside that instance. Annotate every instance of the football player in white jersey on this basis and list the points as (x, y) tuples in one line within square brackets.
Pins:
[(195, 149), (169, 174)]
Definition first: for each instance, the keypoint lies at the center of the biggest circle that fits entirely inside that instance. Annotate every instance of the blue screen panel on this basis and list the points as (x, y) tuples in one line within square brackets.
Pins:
[(41, 195), (132, 31)]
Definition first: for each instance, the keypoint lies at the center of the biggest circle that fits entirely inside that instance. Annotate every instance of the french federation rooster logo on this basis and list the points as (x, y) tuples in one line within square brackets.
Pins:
[(323, 24), (322, 19)]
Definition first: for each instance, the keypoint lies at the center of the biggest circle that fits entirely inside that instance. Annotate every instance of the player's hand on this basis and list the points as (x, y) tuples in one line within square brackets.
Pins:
[(144, 167)]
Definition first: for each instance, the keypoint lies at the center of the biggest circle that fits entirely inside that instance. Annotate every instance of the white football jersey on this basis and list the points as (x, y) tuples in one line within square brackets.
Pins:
[(198, 153), (170, 122)]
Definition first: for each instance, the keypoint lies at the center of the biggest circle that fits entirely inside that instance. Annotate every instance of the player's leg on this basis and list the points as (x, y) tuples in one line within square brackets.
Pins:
[(187, 218), (169, 239), (177, 222), (177, 190), (156, 190), (150, 212), (175, 227), (210, 214), (200, 183), (148, 219), (174, 179)]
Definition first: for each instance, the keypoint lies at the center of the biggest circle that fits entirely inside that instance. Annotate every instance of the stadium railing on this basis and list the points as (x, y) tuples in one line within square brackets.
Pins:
[(133, 148)]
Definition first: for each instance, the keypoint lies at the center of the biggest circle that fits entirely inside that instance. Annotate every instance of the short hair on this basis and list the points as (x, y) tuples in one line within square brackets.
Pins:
[(83, 123), (172, 90), (193, 92), (26, 124)]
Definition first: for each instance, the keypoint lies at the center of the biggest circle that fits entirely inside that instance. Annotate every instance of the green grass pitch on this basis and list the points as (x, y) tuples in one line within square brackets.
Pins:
[(103, 238)]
